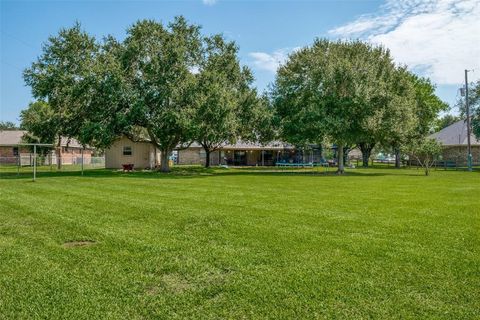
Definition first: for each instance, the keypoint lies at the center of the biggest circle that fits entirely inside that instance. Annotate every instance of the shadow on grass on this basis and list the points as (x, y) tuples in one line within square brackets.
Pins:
[(189, 172), (176, 173)]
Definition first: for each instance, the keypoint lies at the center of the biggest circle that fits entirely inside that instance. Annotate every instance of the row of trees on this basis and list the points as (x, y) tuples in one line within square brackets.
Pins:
[(8, 125), (352, 94), (168, 84), (172, 85)]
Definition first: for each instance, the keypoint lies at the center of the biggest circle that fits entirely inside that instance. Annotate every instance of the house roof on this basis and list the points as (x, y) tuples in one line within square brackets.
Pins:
[(15, 137), (11, 137), (455, 135)]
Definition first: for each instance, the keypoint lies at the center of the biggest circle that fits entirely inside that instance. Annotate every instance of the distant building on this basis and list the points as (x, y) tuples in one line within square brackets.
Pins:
[(142, 154), (244, 154), (454, 141), (13, 150)]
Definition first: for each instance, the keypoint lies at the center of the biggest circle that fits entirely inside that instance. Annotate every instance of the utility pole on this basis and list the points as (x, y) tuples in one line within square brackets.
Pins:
[(469, 146)]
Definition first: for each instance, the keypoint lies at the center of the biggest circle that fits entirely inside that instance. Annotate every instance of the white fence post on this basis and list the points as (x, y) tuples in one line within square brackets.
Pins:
[(34, 162)]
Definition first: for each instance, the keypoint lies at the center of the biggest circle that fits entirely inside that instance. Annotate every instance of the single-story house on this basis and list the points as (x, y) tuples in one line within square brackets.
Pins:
[(242, 154), (142, 154), (13, 150), (454, 141)]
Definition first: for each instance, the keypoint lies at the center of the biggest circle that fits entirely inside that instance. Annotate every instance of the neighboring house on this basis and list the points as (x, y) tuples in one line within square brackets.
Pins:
[(142, 154), (244, 154), (454, 142), (12, 149)]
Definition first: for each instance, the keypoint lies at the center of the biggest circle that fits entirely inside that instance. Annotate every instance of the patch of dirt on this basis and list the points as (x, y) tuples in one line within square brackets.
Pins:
[(152, 291), (172, 282), (80, 243), (176, 283)]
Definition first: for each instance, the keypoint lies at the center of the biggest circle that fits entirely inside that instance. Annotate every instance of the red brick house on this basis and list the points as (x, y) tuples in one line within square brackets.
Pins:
[(13, 150)]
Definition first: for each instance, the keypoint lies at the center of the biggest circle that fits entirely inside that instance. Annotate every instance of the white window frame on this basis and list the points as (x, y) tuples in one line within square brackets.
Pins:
[(131, 151)]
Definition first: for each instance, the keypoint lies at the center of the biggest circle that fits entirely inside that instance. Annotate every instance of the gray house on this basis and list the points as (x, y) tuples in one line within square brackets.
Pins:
[(454, 141)]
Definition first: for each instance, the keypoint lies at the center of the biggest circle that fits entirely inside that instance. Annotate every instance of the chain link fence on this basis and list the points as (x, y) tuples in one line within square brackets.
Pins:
[(23, 164)]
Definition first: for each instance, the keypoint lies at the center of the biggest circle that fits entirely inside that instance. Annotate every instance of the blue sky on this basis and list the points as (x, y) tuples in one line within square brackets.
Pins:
[(435, 38)]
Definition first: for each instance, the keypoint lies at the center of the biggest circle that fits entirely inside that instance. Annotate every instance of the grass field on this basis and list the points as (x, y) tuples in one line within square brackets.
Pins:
[(240, 243)]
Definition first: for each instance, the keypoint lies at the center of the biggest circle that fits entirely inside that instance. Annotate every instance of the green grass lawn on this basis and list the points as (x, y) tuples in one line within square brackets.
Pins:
[(239, 243)]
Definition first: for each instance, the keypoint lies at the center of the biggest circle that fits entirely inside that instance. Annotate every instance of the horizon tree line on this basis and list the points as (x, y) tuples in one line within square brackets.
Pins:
[(173, 85)]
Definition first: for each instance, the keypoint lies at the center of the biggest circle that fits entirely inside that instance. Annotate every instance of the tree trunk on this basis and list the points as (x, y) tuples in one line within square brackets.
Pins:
[(164, 161), (341, 166), (397, 158), (428, 165), (365, 158), (207, 159), (366, 149)]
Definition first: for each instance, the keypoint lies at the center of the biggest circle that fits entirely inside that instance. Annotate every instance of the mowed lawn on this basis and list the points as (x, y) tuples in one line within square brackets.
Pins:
[(241, 244)]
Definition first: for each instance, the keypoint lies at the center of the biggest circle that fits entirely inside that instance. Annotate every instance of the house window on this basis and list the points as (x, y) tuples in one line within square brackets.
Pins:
[(127, 150), (15, 151)]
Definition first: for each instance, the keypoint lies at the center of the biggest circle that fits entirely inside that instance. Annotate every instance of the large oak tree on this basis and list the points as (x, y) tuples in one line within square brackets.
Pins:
[(161, 63), (227, 107), (57, 76), (336, 91)]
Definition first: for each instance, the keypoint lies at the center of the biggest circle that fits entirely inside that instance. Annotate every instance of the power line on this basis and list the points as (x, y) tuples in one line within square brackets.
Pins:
[(18, 39)]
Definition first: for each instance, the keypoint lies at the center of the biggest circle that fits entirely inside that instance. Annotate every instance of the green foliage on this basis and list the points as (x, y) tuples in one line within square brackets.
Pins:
[(225, 103), (473, 99), (168, 82), (474, 103), (57, 77), (425, 152), (108, 101), (398, 121), (346, 92), (446, 121), (428, 106), (41, 123), (7, 125), (352, 93), (159, 61)]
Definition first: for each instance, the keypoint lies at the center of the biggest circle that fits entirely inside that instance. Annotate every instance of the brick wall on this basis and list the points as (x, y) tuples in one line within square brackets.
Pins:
[(190, 156), (196, 156), (7, 155), (459, 154)]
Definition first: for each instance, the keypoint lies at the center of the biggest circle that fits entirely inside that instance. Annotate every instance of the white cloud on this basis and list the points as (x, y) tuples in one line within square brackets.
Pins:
[(271, 61), (209, 2), (436, 38)]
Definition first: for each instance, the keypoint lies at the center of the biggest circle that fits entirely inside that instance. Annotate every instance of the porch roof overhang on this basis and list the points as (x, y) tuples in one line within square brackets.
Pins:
[(276, 145)]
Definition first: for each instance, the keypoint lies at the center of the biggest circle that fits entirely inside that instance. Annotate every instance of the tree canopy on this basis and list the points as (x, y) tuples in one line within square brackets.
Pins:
[(445, 121), (168, 82), (172, 85), (40, 122), (57, 77), (223, 109), (425, 151), (8, 125), (474, 104), (351, 93), (344, 92)]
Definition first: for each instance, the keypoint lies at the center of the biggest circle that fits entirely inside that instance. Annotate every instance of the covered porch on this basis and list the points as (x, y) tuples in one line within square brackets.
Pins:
[(268, 156)]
